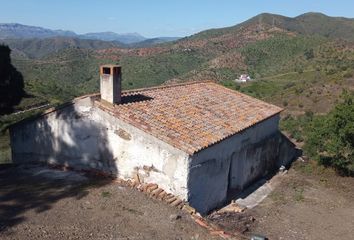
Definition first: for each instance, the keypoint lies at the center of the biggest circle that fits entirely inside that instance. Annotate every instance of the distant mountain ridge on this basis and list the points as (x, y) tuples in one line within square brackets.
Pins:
[(311, 23), (16, 31), (153, 41), (126, 38)]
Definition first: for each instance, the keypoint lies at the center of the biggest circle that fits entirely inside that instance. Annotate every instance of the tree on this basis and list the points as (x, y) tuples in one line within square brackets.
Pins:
[(309, 54), (11, 82)]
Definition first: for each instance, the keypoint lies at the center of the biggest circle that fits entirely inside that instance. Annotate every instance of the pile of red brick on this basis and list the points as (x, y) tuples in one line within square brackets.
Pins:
[(152, 190)]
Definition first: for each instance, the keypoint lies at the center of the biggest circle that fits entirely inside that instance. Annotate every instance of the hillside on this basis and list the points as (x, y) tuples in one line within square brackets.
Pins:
[(153, 41), (273, 49), (38, 48), (306, 24), (303, 68)]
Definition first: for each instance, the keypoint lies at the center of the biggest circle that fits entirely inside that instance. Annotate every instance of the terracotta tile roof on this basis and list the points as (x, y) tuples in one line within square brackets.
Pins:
[(191, 116)]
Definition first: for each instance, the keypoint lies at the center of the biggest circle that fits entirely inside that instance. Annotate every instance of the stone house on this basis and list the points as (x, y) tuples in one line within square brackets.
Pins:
[(198, 140)]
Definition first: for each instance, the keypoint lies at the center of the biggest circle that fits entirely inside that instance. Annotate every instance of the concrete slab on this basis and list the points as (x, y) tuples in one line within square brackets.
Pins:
[(257, 192)]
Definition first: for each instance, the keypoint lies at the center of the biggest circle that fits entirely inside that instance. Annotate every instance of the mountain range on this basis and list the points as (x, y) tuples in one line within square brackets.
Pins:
[(20, 31), (301, 63)]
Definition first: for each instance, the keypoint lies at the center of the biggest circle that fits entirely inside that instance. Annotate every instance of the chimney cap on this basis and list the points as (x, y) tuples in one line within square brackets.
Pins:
[(109, 66), (109, 69)]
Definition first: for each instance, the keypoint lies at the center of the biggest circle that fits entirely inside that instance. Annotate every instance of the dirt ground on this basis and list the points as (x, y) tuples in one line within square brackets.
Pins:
[(48, 205), (310, 203)]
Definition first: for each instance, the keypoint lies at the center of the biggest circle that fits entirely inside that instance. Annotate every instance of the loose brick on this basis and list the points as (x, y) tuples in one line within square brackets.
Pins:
[(135, 184), (147, 186), (168, 196), (170, 200), (142, 187), (216, 232), (176, 202), (156, 192), (189, 209), (180, 206), (152, 188), (201, 222), (161, 195)]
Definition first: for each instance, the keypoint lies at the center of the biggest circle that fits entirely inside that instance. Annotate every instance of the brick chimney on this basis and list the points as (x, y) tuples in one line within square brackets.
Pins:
[(110, 83)]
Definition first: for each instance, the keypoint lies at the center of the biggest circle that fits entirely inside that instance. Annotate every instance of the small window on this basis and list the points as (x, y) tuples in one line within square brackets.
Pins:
[(106, 70)]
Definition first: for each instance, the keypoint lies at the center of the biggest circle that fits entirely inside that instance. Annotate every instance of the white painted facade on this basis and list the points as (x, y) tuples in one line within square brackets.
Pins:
[(83, 136), (232, 164)]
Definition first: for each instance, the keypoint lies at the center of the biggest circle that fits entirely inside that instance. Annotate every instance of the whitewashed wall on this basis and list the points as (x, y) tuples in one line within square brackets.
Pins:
[(232, 164), (83, 136)]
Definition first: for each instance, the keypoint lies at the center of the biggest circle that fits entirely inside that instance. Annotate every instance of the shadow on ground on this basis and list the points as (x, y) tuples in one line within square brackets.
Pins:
[(64, 137), (36, 188)]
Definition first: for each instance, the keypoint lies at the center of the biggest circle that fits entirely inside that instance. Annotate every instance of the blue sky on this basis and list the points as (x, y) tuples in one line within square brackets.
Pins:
[(156, 17)]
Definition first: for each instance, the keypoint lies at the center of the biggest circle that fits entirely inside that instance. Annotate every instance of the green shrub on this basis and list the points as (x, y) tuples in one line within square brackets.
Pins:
[(348, 74), (289, 85), (330, 138), (330, 70), (309, 54)]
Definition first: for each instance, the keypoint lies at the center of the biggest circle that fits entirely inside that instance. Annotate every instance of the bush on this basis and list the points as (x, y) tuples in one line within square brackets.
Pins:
[(330, 70), (299, 69), (309, 54), (289, 85), (348, 75), (330, 138), (294, 126)]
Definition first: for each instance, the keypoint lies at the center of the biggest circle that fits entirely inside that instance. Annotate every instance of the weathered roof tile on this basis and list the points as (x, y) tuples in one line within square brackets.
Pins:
[(193, 116)]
